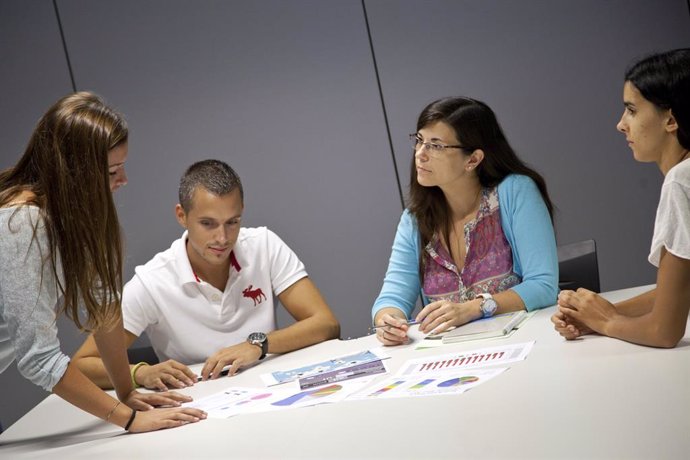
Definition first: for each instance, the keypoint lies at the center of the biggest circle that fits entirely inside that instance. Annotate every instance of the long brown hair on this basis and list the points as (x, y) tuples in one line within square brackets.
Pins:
[(65, 165), (476, 127)]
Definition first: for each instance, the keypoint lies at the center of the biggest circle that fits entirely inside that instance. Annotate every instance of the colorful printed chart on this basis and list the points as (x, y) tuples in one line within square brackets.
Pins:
[(236, 400), (309, 395), (325, 394), (418, 386), (470, 359), (459, 381), (347, 373), (277, 377), (430, 376)]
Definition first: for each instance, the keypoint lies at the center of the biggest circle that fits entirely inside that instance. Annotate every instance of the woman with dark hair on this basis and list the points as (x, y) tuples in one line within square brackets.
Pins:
[(477, 237), (656, 124), (61, 251)]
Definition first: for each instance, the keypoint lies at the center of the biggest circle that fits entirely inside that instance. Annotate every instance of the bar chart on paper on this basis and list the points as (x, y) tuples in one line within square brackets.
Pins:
[(476, 358)]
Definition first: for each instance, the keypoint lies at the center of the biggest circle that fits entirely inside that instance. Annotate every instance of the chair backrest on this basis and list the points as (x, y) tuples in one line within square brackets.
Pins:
[(142, 354), (577, 266)]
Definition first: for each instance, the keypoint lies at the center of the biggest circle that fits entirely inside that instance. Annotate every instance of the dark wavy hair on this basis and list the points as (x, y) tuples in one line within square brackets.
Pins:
[(664, 80), (65, 166), (476, 127)]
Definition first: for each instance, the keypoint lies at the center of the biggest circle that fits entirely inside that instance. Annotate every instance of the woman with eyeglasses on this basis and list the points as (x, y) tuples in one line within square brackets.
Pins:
[(656, 124), (61, 251), (477, 237)]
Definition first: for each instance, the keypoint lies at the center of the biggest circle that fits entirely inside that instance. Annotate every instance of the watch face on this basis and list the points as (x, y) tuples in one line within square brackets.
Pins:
[(261, 340), (257, 337), (489, 306)]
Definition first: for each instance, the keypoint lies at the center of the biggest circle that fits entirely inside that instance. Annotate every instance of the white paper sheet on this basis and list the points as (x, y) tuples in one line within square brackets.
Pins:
[(468, 359), (412, 386), (239, 400)]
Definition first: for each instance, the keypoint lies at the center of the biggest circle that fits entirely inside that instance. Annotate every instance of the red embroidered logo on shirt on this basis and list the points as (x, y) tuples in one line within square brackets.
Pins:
[(254, 294)]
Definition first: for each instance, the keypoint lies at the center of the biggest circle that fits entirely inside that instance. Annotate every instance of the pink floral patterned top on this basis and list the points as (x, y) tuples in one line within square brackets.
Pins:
[(488, 263)]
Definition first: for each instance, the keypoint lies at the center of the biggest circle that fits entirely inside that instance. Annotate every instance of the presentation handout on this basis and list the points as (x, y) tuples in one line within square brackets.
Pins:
[(467, 359), (411, 386), (237, 400), (277, 377), (346, 373)]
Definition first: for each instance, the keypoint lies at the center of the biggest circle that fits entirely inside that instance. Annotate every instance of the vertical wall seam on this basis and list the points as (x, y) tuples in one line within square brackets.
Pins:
[(64, 46), (383, 106)]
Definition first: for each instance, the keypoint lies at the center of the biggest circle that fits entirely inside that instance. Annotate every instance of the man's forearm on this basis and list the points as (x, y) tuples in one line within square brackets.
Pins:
[(88, 358), (303, 334)]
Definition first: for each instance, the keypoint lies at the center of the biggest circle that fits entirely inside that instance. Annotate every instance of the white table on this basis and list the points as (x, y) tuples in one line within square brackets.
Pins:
[(593, 398)]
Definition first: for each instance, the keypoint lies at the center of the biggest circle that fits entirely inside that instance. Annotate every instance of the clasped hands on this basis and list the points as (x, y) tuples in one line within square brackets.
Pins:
[(434, 318), (173, 374), (582, 312)]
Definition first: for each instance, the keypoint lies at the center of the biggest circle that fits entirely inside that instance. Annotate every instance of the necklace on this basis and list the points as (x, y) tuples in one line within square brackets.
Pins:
[(460, 235)]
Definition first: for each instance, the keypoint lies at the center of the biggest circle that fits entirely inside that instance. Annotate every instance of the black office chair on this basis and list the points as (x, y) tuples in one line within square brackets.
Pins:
[(577, 266), (142, 354)]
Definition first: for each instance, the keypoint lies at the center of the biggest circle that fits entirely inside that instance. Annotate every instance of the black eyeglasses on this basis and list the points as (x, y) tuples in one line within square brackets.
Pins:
[(433, 147)]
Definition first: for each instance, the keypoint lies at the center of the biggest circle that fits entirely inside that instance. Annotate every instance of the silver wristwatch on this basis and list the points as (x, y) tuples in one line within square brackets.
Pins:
[(260, 340), (488, 305)]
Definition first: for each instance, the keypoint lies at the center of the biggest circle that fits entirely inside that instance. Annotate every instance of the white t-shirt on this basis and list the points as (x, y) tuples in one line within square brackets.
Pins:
[(189, 320), (672, 225)]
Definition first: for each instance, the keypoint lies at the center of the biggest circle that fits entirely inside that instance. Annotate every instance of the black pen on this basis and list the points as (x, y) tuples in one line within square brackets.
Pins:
[(222, 373)]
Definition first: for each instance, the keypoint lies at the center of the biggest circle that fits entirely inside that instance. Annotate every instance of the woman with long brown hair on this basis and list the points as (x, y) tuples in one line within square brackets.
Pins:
[(61, 251), (477, 237)]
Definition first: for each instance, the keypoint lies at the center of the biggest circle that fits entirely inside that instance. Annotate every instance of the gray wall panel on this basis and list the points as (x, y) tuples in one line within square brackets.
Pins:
[(33, 71), (33, 75), (283, 91), (553, 73)]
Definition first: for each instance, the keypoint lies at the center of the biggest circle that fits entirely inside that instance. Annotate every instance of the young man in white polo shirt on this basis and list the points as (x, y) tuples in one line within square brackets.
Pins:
[(209, 297)]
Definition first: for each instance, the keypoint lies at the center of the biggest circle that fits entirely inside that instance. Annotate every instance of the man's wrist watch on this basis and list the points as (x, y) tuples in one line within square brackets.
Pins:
[(260, 340), (488, 306)]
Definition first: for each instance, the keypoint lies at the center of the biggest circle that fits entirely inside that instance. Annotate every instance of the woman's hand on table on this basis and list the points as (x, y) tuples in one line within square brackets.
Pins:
[(391, 329), (441, 315)]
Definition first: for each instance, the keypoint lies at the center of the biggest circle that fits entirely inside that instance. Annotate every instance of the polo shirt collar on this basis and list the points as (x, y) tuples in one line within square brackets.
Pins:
[(234, 263), (182, 264), (238, 257)]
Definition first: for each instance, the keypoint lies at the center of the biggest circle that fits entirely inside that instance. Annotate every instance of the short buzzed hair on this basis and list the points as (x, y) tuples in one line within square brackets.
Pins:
[(214, 175)]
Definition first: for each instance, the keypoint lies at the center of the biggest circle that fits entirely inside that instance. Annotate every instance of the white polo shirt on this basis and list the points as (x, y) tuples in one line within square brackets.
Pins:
[(189, 320)]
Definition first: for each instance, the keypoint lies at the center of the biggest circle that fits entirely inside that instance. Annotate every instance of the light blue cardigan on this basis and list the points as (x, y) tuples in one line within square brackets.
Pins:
[(528, 229)]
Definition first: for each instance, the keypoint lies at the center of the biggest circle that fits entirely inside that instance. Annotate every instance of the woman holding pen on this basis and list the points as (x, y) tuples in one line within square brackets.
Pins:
[(476, 238), (656, 124), (61, 251)]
